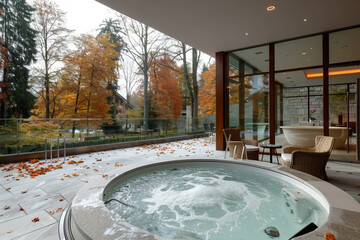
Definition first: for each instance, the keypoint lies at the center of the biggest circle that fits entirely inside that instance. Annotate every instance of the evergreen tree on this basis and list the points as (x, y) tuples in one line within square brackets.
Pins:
[(112, 28), (19, 40)]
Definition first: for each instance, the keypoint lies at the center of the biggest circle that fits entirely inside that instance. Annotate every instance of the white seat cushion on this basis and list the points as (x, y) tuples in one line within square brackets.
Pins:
[(286, 157), (251, 148)]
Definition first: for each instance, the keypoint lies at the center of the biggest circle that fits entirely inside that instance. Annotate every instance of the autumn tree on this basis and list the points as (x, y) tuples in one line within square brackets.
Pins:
[(190, 77), (87, 73), (207, 93), (141, 40), (166, 99), (19, 42), (52, 40), (82, 92)]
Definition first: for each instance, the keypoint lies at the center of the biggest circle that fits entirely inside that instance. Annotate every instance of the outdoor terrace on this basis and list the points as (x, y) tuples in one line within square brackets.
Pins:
[(31, 206)]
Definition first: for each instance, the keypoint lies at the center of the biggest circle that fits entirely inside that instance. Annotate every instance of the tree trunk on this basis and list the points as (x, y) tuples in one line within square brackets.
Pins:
[(195, 88), (76, 105), (146, 79)]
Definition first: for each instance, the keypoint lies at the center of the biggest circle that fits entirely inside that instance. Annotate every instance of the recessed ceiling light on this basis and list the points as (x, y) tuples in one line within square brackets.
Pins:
[(246, 34), (311, 48), (270, 8), (305, 19), (303, 53)]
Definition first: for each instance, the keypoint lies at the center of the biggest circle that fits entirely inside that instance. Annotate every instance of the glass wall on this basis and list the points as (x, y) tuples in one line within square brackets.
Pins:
[(297, 77), (249, 92)]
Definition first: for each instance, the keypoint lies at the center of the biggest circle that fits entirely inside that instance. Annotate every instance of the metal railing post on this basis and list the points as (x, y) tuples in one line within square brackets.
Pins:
[(64, 149), (51, 149), (58, 150), (45, 149)]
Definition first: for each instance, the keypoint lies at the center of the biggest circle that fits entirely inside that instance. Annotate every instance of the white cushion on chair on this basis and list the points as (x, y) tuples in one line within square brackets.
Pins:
[(286, 157), (251, 148)]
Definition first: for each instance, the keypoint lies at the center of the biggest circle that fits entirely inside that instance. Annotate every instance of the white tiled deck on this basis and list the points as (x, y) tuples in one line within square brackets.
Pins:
[(45, 196)]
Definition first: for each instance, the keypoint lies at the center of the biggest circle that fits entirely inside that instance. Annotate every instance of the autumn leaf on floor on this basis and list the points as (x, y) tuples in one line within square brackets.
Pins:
[(10, 231), (6, 207), (59, 210), (21, 209), (104, 175), (95, 170), (117, 165), (61, 200), (71, 162), (34, 161), (329, 236), (75, 174), (25, 191), (35, 219), (51, 212), (80, 161)]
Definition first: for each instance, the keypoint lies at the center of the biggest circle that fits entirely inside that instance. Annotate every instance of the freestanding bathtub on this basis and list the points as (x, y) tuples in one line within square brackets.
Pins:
[(304, 136), (88, 216)]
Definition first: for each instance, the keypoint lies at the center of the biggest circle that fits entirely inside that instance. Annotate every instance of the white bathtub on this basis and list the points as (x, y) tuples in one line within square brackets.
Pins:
[(305, 135)]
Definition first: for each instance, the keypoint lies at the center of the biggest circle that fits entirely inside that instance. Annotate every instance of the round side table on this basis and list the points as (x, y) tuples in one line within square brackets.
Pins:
[(270, 147)]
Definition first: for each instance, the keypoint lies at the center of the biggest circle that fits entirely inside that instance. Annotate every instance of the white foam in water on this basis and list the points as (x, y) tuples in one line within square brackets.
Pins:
[(211, 203)]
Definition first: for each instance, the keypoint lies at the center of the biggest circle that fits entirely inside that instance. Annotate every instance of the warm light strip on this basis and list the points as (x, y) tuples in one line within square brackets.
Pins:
[(334, 73)]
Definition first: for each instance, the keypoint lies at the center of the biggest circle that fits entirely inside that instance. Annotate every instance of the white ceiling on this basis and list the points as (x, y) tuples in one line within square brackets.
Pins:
[(213, 25)]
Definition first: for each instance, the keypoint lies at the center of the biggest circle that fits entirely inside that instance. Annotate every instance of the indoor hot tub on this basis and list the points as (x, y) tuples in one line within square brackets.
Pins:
[(202, 199)]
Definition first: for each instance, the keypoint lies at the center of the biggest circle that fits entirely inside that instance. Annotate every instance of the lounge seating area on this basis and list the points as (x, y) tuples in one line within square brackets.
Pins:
[(310, 160)]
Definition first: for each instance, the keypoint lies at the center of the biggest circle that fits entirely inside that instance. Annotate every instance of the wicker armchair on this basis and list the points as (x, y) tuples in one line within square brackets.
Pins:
[(240, 148), (310, 160)]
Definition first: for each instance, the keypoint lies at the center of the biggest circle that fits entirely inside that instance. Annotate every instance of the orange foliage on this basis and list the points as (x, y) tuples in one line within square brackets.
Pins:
[(207, 94), (164, 88), (82, 91)]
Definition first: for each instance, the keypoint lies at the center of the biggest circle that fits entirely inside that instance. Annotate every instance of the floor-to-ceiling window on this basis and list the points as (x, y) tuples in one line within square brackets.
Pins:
[(299, 94), (249, 92)]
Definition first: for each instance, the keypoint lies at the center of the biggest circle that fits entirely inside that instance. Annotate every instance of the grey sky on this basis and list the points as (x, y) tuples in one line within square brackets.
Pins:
[(83, 16)]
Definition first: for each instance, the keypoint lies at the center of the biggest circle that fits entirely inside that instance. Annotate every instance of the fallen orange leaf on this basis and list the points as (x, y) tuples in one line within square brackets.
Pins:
[(34, 161), (25, 191), (59, 210), (35, 219), (75, 174), (329, 236), (10, 231), (96, 170)]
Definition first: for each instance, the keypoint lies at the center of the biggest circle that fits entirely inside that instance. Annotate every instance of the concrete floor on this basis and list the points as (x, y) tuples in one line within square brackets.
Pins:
[(31, 207)]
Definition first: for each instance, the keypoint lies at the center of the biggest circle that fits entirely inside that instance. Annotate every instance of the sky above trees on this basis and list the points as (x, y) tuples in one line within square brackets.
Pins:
[(83, 16)]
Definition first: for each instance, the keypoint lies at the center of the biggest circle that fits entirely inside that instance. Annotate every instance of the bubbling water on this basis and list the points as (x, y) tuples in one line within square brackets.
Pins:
[(212, 203)]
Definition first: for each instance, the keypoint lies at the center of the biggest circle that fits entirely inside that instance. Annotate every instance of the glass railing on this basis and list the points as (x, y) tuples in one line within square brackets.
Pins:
[(32, 135)]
